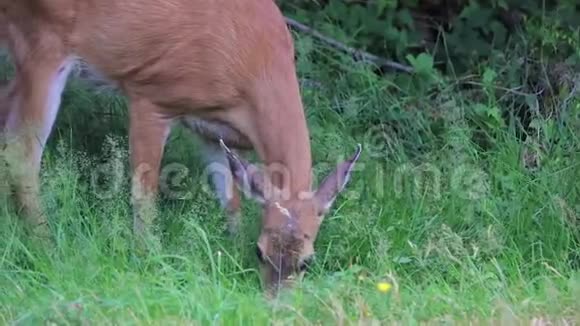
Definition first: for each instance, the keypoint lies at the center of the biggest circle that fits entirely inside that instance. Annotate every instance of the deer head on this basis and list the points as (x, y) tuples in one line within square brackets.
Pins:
[(290, 224)]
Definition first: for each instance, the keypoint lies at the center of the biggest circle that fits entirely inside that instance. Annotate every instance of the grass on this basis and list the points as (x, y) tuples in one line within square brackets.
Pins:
[(460, 227)]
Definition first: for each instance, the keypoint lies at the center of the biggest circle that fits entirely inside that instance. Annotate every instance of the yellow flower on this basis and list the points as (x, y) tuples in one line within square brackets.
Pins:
[(384, 287)]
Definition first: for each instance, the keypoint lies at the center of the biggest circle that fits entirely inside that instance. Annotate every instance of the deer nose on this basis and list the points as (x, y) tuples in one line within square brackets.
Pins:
[(272, 288), (278, 283)]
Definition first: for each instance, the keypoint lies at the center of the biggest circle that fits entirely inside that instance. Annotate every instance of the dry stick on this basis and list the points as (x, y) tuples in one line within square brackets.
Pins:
[(352, 51)]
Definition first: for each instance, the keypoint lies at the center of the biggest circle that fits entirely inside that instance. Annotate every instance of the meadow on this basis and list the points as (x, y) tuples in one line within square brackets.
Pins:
[(470, 214)]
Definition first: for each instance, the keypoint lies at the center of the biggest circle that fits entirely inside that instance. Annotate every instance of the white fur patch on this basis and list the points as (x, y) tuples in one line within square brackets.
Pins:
[(51, 107), (282, 209), (57, 85)]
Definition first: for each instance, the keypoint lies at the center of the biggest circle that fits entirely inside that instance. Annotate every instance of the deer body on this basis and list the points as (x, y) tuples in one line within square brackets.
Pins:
[(223, 68)]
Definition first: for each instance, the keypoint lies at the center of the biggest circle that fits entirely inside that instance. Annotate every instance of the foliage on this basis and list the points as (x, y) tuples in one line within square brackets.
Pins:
[(461, 32), (521, 55)]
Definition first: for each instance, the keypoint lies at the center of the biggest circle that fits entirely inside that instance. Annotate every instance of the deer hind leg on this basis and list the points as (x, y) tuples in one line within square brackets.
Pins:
[(147, 136), (217, 167), (32, 106)]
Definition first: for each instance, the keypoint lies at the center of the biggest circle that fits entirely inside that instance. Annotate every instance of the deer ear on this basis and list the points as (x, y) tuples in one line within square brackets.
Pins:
[(335, 183), (246, 175)]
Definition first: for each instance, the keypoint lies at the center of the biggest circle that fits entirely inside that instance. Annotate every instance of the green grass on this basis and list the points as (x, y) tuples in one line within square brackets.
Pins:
[(497, 243)]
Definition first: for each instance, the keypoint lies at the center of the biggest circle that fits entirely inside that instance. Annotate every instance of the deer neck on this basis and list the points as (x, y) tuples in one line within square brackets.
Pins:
[(289, 166), (284, 141)]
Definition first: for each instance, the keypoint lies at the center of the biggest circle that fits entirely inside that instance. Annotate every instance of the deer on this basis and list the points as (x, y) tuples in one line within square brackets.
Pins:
[(224, 69)]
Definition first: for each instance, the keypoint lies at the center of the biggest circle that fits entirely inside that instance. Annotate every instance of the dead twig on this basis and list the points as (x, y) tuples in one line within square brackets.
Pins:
[(357, 53)]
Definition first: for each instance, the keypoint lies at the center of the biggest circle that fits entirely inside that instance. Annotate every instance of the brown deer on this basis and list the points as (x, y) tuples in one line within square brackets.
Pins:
[(223, 68)]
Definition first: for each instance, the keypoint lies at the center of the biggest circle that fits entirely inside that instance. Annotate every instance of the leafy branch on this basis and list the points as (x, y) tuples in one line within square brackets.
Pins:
[(357, 53)]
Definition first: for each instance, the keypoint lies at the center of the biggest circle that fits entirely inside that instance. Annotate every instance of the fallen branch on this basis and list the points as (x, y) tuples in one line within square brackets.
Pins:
[(357, 53)]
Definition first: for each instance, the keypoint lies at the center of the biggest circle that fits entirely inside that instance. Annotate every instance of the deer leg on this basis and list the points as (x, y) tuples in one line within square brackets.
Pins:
[(6, 89), (6, 92), (218, 167), (147, 136), (33, 105)]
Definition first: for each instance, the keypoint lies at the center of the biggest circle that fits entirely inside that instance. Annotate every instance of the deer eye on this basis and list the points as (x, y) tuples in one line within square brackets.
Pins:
[(306, 263), (259, 254)]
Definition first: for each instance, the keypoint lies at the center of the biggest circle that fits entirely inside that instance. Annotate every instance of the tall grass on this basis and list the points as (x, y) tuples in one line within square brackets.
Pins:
[(462, 228)]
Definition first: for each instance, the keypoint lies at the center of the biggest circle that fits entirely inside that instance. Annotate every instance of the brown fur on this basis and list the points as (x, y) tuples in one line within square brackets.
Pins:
[(227, 64)]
